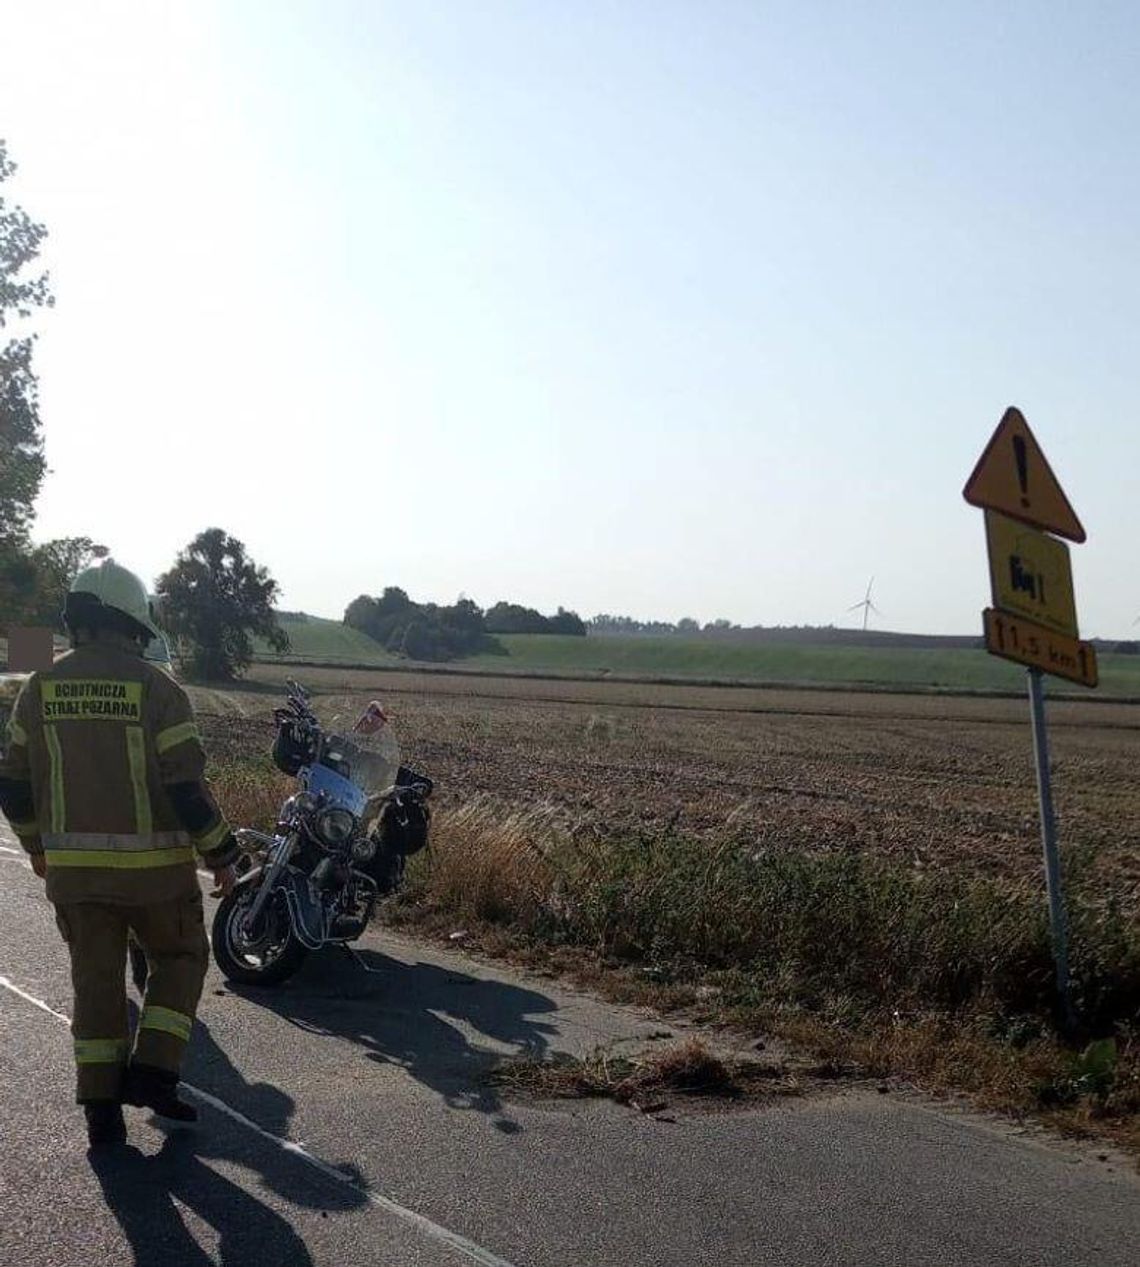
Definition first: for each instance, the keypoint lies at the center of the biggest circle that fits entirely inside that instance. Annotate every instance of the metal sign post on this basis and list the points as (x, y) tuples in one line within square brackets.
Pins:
[(1057, 921), (1034, 617)]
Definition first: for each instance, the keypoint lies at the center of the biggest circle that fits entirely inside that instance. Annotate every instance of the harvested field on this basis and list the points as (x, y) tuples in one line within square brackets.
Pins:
[(932, 782), (859, 874)]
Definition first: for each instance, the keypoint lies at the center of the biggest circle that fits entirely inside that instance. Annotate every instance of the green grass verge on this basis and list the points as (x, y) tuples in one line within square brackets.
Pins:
[(952, 668)]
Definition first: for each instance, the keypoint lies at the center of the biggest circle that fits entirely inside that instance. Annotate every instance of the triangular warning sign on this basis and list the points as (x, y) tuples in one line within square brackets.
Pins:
[(1015, 477)]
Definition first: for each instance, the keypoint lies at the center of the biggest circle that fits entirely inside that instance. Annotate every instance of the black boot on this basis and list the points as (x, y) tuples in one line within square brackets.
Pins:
[(157, 1089), (105, 1125)]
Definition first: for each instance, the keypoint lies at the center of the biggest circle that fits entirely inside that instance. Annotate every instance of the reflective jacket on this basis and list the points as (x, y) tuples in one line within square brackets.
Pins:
[(104, 774)]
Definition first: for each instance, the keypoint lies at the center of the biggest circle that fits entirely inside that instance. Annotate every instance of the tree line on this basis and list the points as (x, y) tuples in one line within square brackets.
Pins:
[(429, 631), (604, 623), (511, 618)]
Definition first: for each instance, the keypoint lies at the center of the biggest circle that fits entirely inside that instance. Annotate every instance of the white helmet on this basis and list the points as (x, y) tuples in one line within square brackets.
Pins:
[(117, 589)]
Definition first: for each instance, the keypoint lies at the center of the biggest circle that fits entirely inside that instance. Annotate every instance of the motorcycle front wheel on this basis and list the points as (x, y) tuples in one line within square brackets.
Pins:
[(265, 955)]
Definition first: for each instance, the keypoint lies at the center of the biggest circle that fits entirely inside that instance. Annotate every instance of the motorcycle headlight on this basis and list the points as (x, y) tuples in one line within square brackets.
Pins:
[(333, 827), (363, 849)]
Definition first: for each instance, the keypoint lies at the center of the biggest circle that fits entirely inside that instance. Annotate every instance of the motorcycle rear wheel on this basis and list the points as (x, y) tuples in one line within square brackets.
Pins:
[(268, 960)]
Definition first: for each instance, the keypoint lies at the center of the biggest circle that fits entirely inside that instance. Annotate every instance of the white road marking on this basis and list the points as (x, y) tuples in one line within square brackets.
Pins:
[(31, 998), (466, 1247), (469, 1249)]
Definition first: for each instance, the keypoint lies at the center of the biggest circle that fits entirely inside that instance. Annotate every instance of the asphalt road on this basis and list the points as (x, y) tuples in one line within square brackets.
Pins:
[(345, 1119)]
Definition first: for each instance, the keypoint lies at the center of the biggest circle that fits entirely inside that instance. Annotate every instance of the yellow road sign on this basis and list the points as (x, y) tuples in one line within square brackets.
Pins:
[(1024, 642), (1014, 476), (1030, 574)]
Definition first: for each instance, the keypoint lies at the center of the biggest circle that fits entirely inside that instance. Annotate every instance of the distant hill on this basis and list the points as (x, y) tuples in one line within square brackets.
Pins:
[(811, 636), (314, 638), (841, 657)]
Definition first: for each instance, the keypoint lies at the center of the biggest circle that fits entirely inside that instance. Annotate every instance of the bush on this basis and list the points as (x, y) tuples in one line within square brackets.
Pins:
[(421, 631)]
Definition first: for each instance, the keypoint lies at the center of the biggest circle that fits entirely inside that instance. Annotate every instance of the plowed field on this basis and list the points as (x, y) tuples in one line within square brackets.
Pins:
[(929, 781)]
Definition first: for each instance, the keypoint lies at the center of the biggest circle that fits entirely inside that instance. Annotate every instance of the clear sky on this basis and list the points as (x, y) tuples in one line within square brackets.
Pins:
[(665, 309)]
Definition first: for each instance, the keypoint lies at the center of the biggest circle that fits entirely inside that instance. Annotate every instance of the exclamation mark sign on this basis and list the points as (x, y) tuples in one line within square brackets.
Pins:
[(1021, 456)]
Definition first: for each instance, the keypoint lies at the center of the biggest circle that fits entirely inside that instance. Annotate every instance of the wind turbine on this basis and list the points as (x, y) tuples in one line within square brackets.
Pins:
[(866, 605)]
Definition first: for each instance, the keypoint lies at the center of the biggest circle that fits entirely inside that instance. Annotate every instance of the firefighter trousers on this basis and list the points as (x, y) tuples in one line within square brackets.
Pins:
[(173, 936)]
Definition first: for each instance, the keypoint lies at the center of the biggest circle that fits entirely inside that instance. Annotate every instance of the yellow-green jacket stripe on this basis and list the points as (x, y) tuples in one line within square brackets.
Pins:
[(100, 1051), (167, 1020), (117, 859), (184, 732), (112, 772), (136, 759), (58, 815)]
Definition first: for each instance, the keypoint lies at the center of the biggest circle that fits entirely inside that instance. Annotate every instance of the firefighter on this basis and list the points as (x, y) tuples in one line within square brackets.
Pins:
[(103, 784)]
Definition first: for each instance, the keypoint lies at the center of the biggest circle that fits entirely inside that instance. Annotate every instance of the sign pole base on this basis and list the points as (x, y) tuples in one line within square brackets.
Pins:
[(1049, 845)]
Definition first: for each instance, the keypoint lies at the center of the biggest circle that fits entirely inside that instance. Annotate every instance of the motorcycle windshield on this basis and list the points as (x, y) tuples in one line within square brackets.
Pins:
[(338, 792), (370, 762)]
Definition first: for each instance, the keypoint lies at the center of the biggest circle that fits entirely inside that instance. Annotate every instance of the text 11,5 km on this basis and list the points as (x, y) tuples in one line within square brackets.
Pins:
[(1024, 642)]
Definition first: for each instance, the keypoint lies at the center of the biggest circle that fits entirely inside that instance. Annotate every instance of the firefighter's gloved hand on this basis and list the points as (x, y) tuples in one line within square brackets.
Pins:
[(39, 864), (224, 879)]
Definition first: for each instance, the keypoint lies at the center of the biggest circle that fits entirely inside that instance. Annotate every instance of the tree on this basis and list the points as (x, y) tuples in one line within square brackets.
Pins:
[(512, 618), (213, 599), (57, 563), (17, 584), (567, 622), (384, 619), (21, 442), (361, 613)]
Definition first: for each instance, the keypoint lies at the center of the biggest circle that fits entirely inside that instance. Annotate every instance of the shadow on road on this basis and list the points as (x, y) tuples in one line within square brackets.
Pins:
[(398, 1017), (142, 1191), (207, 1066)]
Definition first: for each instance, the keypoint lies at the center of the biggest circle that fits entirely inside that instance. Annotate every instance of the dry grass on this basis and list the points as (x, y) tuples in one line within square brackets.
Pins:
[(807, 926), (250, 796), (493, 866), (648, 1081), (1028, 1078), (688, 1067)]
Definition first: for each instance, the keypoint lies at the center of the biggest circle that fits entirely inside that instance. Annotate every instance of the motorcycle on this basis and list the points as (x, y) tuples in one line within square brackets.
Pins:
[(341, 844)]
